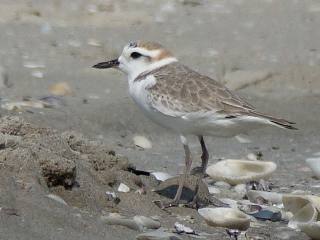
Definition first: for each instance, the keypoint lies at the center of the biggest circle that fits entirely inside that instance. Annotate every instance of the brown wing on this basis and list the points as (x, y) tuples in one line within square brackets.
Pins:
[(180, 90), (185, 90)]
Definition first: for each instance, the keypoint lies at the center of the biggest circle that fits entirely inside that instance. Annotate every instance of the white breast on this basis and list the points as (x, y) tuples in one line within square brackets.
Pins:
[(139, 93)]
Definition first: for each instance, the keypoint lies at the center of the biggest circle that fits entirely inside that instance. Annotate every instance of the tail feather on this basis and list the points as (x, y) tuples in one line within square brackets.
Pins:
[(277, 121)]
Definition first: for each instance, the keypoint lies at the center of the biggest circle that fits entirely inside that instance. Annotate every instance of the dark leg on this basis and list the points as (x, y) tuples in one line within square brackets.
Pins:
[(188, 163), (204, 163)]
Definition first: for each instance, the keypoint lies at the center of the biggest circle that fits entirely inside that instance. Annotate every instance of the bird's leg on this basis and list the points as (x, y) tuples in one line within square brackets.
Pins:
[(204, 163), (183, 177)]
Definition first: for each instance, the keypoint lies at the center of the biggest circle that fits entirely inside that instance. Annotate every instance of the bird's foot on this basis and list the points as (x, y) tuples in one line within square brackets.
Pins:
[(164, 205)]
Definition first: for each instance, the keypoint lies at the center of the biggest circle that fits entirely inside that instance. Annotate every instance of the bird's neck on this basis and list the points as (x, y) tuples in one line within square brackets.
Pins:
[(154, 66)]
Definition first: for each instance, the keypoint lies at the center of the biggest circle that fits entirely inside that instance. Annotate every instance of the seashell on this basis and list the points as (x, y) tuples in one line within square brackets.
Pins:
[(225, 217), (240, 171), (304, 209), (123, 188), (60, 89), (180, 228), (161, 176), (312, 229), (142, 142), (314, 164), (271, 197)]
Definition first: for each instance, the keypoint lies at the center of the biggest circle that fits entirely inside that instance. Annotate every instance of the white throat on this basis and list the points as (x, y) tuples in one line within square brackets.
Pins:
[(137, 71)]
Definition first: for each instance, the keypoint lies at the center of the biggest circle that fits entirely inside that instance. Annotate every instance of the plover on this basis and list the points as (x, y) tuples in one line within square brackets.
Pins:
[(185, 101)]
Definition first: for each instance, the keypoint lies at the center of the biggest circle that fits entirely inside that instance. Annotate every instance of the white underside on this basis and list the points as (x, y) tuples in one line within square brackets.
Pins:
[(196, 123)]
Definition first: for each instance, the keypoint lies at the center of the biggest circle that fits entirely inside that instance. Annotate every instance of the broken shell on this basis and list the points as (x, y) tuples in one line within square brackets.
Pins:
[(225, 217), (304, 209), (123, 188), (180, 228), (272, 197), (161, 176), (311, 229), (314, 164), (142, 142), (240, 171)]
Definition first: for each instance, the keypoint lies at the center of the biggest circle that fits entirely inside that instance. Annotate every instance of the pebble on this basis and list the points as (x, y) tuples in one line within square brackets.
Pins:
[(33, 65), (161, 176), (123, 188), (180, 228), (142, 142), (314, 164), (37, 74), (214, 190)]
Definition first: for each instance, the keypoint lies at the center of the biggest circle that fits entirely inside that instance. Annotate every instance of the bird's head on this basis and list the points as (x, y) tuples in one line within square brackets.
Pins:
[(139, 57)]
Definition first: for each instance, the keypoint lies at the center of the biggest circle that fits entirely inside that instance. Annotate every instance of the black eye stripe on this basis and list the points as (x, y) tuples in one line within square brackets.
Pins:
[(135, 55)]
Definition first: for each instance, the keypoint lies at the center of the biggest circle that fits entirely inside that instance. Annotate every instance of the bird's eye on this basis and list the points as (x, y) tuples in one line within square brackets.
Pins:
[(135, 55)]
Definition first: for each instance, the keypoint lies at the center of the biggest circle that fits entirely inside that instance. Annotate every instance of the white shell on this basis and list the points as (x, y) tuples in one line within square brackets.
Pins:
[(123, 188), (311, 229), (274, 198), (305, 209), (146, 222), (225, 217), (314, 164), (57, 198), (240, 171), (161, 176), (142, 142)]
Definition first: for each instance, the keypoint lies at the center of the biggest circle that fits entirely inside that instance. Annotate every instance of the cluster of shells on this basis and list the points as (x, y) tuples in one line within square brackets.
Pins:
[(302, 212)]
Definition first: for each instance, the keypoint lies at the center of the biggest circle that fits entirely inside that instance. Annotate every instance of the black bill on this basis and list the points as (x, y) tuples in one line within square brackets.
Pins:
[(109, 64)]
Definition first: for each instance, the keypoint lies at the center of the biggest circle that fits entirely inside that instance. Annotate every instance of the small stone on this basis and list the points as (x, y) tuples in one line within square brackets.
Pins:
[(180, 228), (161, 176), (37, 74), (123, 188), (214, 190), (142, 142), (33, 65)]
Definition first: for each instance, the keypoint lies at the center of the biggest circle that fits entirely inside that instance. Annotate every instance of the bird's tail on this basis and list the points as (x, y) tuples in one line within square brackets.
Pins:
[(275, 121)]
